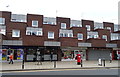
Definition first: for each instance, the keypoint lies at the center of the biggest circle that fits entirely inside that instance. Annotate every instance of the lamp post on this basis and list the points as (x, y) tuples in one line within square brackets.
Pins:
[(23, 61)]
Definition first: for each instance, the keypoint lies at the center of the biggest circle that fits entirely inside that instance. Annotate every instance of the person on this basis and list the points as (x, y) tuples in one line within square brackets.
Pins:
[(51, 56), (78, 58), (11, 58), (35, 57)]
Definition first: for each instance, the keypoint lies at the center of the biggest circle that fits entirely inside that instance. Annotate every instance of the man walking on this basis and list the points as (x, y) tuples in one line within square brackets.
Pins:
[(11, 58), (51, 56)]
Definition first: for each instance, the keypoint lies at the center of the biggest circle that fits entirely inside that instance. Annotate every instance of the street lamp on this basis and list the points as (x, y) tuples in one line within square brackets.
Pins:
[(23, 61)]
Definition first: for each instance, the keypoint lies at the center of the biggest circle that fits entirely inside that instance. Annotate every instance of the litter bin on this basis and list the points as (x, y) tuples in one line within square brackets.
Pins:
[(100, 62)]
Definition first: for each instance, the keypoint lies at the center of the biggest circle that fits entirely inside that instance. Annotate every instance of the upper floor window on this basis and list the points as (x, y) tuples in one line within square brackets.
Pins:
[(80, 36), (2, 20), (114, 36), (104, 37), (63, 25), (88, 27), (35, 23), (109, 28), (15, 33), (3, 30), (34, 31), (65, 35), (92, 35), (95, 36), (49, 20), (70, 35), (50, 35)]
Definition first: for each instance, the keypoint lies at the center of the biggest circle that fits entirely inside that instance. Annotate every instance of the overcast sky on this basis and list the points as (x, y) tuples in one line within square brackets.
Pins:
[(97, 10)]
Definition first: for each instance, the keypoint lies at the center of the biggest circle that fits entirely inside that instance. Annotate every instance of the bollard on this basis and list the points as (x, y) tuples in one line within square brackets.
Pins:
[(23, 64), (104, 62), (54, 64), (81, 63)]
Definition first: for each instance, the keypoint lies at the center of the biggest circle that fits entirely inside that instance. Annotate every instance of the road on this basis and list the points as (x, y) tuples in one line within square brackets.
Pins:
[(72, 72)]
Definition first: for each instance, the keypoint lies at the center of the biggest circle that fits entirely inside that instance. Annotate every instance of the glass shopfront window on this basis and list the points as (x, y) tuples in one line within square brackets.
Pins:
[(17, 54), (67, 54)]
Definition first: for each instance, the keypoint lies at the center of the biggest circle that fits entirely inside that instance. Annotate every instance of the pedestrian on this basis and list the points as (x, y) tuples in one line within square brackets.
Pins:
[(11, 58), (78, 58), (51, 56)]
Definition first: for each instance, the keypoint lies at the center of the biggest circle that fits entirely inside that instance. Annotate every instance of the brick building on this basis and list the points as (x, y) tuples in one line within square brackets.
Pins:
[(32, 33)]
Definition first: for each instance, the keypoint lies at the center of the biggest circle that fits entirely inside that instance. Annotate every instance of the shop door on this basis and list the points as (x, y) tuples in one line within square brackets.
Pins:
[(15, 54), (96, 54)]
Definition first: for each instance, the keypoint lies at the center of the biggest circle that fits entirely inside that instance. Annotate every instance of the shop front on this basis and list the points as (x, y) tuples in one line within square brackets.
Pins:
[(17, 52), (116, 55), (96, 53), (69, 53), (43, 53)]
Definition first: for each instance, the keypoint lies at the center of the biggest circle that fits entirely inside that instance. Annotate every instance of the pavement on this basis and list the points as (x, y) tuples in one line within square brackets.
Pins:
[(57, 65)]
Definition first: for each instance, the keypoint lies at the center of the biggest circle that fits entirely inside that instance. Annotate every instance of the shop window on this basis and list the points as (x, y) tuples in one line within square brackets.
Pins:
[(35, 23), (50, 35), (15, 33), (80, 36)]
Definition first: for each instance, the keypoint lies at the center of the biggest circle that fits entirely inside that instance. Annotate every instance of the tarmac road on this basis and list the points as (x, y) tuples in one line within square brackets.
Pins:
[(67, 72)]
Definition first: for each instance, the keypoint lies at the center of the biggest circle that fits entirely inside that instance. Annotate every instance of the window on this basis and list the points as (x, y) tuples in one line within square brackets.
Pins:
[(66, 35), (70, 35), (39, 33), (95, 36), (34, 31), (88, 27), (114, 36), (15, 33), (35, 23), (63, 25), (2, 31), (80, 36), (28, 32), (61, 35), (2, 20), (104, 37), (51, 35), (109, 28)]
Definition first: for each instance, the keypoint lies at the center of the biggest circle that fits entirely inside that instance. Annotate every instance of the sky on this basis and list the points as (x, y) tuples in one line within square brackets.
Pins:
[(97, 10)]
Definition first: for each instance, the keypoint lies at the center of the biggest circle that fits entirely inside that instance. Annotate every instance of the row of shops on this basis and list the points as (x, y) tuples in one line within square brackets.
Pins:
[(32, 53)]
